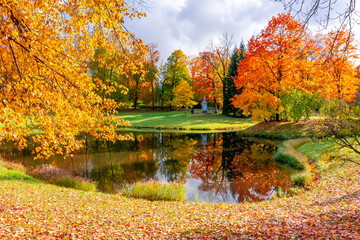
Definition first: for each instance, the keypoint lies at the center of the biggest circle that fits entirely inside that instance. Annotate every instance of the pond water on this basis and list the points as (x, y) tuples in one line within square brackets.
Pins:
[(215, 167)]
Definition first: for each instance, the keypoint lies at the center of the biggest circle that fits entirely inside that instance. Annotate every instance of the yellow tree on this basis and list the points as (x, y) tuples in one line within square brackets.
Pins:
[(45, 85), (183, 95)]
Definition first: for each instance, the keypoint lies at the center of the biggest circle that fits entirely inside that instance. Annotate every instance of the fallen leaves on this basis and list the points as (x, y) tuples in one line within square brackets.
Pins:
[(40, 211)]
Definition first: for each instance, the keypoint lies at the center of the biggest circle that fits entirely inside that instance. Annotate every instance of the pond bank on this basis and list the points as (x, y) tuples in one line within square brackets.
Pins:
[(205, 123), (33, 210)]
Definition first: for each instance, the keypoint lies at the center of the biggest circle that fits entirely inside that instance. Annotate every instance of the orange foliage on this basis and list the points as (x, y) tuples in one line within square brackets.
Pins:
[(339, 79), (286, 57), (204, 78), (277, 61)]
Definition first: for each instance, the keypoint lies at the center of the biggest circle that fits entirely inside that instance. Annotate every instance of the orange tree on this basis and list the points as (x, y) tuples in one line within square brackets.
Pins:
[(204, 78), (277, 61), (46, 47), (339, 81)]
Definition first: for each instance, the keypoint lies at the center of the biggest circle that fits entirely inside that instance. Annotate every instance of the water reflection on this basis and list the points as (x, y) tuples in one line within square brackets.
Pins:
[(217, 167)]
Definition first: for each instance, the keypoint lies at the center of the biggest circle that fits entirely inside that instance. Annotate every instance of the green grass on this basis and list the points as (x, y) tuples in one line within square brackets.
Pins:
[(15, 175), (314, 150), (181, 120), (76, 183), (288, 155), (154, 190)]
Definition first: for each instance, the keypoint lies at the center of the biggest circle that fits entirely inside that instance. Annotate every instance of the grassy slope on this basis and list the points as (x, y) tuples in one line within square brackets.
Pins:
[(184, 121), (280, 130), (28, 211)]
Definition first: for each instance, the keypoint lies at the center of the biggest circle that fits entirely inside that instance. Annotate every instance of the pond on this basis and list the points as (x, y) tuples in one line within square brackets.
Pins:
[(215, 167)]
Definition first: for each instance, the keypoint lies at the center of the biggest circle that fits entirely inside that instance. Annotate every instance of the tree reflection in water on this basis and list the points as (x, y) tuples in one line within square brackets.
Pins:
[(216, 167), (237, 169)]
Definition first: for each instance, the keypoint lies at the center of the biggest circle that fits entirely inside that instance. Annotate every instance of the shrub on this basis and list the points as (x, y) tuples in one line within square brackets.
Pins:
[(76, 183), (298, 104), (13, 166), (302, 180), (286, 158), (49, 172), (294, 191), (154, 190)]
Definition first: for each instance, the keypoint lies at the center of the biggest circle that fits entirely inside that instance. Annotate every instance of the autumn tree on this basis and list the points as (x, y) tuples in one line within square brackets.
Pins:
[(222, 52), (229, 88), (339, 80), (175, 70), (183, 95), (277, 61), (151, 74), (108, 82), (204, 78), (323, 12), (45, 85)]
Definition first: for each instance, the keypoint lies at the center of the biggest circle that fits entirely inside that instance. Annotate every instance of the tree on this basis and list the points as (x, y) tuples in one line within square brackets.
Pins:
[(175, 70), (183, 95), (229, 86), (339, 80), (277, 61), (45, 85), (323, 11), (341, 122), (108, 82), (222, 53), (152, 71), (204, 78)]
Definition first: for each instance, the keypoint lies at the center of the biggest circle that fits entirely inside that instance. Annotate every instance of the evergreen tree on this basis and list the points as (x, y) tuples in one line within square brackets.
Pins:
[(229, 88)]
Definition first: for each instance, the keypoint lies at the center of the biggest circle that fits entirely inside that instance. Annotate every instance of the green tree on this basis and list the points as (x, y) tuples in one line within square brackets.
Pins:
[(298, 104), (175, 71), (183, 95), (229, 88)]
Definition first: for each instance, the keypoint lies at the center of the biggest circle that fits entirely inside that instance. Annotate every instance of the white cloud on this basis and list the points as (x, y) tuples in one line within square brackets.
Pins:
[(190, 25)]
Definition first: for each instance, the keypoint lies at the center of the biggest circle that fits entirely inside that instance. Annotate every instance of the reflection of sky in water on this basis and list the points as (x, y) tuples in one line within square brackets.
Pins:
[(194, 194), (215, 167)]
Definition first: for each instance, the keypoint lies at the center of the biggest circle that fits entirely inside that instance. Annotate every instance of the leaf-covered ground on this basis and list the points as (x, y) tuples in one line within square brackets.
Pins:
[(31, 210)]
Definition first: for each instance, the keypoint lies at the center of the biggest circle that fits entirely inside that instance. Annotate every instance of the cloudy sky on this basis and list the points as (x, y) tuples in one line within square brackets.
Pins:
[(190, 25)]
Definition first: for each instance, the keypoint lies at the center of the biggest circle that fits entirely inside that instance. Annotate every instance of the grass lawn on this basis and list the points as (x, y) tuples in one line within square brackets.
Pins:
[(330, 209), (180, 120)]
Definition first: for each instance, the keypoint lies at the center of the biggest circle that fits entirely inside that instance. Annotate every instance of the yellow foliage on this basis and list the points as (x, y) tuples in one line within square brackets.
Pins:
[(44, 82)]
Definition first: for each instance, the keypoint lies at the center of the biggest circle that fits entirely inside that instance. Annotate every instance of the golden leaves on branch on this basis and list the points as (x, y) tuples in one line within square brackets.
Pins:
[(45, 84)]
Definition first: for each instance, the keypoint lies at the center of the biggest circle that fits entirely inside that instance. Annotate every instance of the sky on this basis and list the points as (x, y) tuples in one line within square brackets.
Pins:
[(190, 25)]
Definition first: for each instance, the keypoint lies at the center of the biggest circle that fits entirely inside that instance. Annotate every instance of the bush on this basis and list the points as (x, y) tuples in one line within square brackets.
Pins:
[(298, 104), (302, 180), (48, 172), (285, 158), (154, 190), (76, 183), (13, 166), (294, 191)]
